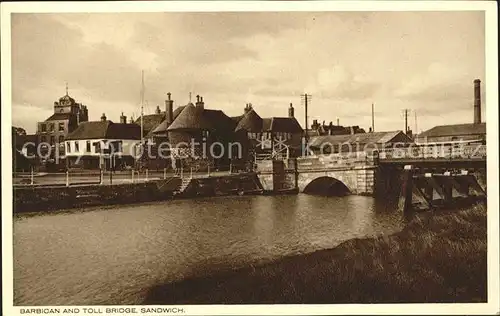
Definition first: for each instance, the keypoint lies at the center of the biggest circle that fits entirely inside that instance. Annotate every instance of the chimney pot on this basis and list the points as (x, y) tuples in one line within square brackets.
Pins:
[(169, 95), (169, 110), (103, 117), (291, 111)]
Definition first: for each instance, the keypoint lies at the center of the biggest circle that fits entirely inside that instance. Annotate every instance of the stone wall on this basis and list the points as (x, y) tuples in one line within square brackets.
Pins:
[(37, 199)]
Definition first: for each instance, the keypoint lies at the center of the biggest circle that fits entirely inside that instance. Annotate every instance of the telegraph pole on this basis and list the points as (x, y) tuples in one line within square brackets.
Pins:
[(416, 129), (373, 118), (306, 98)]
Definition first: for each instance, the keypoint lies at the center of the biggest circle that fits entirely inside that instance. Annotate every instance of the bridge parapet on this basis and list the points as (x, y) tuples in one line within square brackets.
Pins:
[(335, 161), (435, 151)]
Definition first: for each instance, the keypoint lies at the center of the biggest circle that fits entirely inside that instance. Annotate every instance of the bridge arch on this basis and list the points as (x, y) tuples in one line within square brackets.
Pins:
[(326, 186)]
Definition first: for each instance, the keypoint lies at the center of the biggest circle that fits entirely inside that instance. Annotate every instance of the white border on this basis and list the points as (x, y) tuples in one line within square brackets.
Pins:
[(491, 49)]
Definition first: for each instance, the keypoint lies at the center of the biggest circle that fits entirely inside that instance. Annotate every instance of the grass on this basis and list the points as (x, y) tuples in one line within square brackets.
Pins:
[(438, 257)]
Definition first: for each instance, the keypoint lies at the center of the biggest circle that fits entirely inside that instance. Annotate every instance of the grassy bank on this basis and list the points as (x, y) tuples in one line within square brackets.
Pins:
[(437, 257)]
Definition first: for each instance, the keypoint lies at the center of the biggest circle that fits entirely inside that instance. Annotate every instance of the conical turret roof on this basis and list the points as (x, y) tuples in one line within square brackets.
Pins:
[(191, 117)]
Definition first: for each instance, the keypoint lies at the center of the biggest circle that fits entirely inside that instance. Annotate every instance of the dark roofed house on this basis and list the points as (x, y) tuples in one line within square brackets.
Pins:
[(356, 142), (102, 144), (271, 137), (202, 127), (447, 133), (150, 122)]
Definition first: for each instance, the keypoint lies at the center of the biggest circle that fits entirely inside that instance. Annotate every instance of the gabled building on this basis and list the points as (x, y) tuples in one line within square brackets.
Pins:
[(451, 133), (103, 145), (65, 119), (331, 144), (273, 137)]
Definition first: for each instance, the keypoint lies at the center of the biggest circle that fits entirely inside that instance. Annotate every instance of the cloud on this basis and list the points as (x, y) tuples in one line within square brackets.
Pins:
[(425, 61)]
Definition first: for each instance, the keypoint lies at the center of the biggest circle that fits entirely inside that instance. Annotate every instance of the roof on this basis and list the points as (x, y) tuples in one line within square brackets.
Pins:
[(105, 130), (238, 118), (190, 117), (455, 130), (250, 122), (150, 121), (281, 124), (219, 120), (59, 116), (362, 138)]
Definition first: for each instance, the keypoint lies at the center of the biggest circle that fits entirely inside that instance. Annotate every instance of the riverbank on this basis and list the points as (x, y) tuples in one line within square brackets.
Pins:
[(438, 257)]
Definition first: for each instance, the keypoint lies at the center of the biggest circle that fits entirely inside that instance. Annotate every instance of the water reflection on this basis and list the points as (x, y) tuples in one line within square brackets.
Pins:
[(112, 255)]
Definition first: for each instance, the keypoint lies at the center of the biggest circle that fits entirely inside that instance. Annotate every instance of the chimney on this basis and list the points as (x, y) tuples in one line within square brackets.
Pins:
[(370, 130), (477, 101), (123, 119), (248, 108), (338, 122), (103, 117), (291, 111), (169, 109), (199, 102), (157, 111), (132, 119)]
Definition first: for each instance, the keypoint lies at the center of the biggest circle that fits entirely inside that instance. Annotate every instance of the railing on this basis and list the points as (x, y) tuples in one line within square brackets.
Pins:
[(452, 152), (88, 177)]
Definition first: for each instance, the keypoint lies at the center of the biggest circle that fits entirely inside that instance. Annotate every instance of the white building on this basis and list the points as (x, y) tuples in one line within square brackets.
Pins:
[(102, 144)]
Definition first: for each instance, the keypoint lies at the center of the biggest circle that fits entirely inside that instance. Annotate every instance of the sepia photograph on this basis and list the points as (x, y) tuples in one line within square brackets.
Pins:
[(252, 157)]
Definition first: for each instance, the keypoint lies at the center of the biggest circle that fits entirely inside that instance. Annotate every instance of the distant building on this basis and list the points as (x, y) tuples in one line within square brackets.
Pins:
[(318, 129), (459, 132), (102, 144), (367, 142), (450, 133), (67, 115)]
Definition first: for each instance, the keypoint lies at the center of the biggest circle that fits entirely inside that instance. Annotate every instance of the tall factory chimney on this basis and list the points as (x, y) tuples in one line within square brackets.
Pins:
[(477, 101), (169, 109)]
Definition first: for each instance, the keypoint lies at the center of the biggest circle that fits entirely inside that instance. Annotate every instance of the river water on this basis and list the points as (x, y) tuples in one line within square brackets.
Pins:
[(113, 255)]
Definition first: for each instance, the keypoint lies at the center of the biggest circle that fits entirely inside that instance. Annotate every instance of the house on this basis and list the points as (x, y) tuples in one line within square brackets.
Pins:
[(199, 138), (318, 129), (366, 142), (65, 119), (450, 133), (103, 144), (273, 137)]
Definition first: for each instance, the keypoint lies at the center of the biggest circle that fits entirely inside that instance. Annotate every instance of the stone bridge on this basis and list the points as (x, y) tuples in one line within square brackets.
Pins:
[(319, 174), (360, 172)]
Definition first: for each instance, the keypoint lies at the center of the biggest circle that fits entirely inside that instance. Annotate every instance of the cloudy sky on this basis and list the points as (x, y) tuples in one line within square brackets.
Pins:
[(423, 61)]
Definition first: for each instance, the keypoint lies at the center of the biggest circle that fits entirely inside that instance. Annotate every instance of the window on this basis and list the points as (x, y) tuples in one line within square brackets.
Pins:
[(43, 127), (51, 127), (52, 139), (68, 147), (61, 126), (43, 139), (61, 138), (77, 146), (88, 146)]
